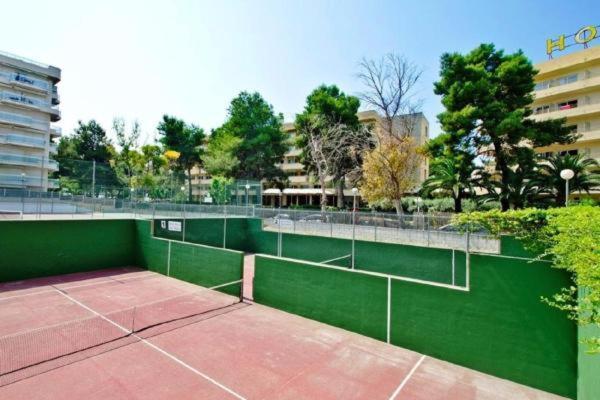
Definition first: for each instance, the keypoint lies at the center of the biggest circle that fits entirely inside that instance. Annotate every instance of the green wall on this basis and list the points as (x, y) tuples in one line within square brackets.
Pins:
[(202, 265), (246, 234), (31, 249), (351, 301), (499, 327)]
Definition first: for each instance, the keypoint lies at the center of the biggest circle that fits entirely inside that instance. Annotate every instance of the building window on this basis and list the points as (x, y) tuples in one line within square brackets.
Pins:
[(573, 128), (563, 80), (569, 152)]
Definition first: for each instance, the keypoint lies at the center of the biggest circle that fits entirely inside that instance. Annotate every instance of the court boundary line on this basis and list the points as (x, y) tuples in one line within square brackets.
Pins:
[(111, 280), (155, 347), (407, 377)]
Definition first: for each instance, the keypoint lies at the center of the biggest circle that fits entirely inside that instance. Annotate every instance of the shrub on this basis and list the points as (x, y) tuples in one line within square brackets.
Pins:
[(570, 237)]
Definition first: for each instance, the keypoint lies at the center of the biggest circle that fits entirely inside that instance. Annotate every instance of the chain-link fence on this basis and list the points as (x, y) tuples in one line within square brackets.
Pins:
[(434, 230)]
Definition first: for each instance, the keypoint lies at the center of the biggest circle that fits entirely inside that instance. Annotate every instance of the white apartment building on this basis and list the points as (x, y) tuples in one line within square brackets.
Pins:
[(28, 104)]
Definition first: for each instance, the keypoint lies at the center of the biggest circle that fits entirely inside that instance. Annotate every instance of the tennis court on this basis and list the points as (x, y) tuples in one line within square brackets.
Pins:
[(132, 333)]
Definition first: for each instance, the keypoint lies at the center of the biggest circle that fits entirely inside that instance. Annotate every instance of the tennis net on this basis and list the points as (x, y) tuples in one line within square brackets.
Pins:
[(31, 352), (343, 261)]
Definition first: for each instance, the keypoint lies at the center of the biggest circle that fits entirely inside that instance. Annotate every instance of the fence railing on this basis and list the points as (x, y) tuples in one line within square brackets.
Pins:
[(433, 230)]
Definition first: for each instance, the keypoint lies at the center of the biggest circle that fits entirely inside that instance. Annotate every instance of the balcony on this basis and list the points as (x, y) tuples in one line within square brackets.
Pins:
[(54, 114), (569, 89), (55, 131), (587, 110), (298, 179), (55, 96), (24, 180), (25, 82), (21, 140), (23, 121), (53, 148), (29, 161)]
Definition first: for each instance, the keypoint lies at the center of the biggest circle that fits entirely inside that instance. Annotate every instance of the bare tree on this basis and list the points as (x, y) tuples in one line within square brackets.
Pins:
[(391, 168), (327, 143), (389, 88)]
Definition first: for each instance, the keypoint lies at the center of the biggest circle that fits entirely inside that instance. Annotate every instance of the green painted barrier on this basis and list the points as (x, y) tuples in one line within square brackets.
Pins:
[(499, 327), (346, 300), (199, 264), (32, 249), (246, 234)]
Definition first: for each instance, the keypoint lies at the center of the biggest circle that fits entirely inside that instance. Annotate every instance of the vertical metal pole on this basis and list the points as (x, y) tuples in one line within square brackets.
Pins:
[(279, 223), (428, 232), (566, 192), (93, 178), (353, 233), (225, 226), (183, 233)]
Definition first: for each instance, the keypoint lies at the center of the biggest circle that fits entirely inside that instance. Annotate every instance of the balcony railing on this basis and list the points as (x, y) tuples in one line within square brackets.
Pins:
[(55, 131), (24, 180), (21, 140), (25, 81), (34, 161), (22, 120), (19, 99)]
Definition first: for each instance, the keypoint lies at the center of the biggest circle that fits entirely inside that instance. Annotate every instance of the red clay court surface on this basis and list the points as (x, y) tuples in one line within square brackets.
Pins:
[(243, 351)]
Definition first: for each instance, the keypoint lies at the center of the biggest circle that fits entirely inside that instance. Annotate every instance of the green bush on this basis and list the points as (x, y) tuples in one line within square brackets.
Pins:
[(570, 237)]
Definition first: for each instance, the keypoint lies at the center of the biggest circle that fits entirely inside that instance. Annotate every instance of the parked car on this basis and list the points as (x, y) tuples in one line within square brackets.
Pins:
[(314, 218)]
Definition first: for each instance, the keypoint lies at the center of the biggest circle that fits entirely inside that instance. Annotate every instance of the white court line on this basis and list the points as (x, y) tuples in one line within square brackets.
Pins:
[(110, 280), (407, 377), (155, 347), (335, 259)]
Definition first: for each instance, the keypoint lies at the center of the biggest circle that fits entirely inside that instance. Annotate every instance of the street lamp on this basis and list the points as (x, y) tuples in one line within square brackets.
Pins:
[(247, 189), (567, 175), (354, 194)]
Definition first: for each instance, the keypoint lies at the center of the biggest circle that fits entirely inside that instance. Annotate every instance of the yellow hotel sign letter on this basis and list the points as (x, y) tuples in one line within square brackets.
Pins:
[(583, 36)]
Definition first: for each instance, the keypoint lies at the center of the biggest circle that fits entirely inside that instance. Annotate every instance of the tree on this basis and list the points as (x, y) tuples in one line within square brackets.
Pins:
[(184, 139), (327, 143), (390, 84), (263, 144), (585, 179), (449, 175), (331, 107), (487, 95), (390, 171), (128, 158), (219, 188), (85, 159), (220, 158)]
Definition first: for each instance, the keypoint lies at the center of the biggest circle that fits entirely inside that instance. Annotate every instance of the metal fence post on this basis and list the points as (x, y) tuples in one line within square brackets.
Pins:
[(225, 226), (428, 232)]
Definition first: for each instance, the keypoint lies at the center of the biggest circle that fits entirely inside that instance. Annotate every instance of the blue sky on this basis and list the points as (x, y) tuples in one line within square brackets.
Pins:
[(141, 59)]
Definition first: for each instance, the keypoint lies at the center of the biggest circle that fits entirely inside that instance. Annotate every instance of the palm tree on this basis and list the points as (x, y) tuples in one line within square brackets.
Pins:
[(446, 175), (586, 178)]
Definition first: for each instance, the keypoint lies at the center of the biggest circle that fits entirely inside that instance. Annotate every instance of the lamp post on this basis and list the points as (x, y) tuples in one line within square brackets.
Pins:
[(567, 175), (354, 193), (182, 194), (247, 191)]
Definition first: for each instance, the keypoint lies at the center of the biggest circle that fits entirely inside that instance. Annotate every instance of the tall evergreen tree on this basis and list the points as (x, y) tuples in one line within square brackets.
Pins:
[(262, 145), (487, 95)]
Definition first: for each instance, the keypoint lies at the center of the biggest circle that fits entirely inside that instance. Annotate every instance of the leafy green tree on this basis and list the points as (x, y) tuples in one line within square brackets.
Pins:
[(220, 158), (127, 161), (184, 139), (85, 157), (585, 179), (449, 175), (487, 95), (332, 106), (263, 144), (219, 189)]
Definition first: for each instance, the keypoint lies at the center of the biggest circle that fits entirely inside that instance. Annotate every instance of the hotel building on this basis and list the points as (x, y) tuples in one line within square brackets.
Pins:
[(569, 87), (28, 104)]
